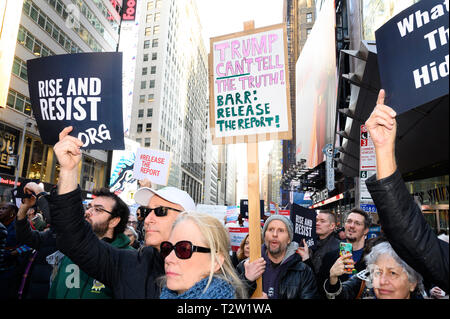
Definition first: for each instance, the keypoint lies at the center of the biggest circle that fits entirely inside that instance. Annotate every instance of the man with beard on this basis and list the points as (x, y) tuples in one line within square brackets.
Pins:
[(285, 275), (107, 215), (356, 226)]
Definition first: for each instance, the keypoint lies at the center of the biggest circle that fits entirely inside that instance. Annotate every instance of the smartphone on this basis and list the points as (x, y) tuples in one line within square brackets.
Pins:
[(344, 249)]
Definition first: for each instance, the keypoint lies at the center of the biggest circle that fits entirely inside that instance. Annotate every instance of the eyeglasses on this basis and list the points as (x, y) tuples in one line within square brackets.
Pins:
[(183, 249), (98, 209), (160, 211), (357, 223)]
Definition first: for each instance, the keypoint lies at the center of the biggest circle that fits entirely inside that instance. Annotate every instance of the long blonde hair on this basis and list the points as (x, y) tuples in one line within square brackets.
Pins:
[(217, 239)]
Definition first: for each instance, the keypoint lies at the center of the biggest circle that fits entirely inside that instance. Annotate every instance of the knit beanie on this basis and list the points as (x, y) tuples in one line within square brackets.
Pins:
[(285, 220)]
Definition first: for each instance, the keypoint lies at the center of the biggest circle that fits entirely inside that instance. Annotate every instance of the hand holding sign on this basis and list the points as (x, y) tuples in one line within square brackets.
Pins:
[(382, 128), (68, 153)]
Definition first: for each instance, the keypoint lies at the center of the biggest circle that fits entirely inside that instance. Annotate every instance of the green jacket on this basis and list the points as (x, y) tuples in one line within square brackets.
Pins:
[(72, 283)]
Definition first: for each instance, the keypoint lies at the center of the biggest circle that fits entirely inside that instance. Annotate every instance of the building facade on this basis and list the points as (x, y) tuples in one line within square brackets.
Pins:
[(171, 90), (50, 27)]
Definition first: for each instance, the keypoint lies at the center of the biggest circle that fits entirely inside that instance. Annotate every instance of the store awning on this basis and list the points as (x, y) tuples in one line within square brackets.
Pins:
[(422, 134)]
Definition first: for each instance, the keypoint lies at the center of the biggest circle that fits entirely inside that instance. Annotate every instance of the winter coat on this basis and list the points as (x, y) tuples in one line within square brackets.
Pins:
[(44, 242), (71, 283), (296, 279), (407, 230), (131, 274)]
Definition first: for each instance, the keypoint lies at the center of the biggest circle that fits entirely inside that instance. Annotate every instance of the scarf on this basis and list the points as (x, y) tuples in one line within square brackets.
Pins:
[(218, 289)]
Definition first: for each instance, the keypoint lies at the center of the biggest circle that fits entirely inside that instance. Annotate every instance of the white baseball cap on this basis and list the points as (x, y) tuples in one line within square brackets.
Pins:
[(170, 194)]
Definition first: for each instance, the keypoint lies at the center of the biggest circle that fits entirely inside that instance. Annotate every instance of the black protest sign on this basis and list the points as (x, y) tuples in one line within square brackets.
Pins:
[(81, 90), (304, 221), (412, 50), (243, 208)]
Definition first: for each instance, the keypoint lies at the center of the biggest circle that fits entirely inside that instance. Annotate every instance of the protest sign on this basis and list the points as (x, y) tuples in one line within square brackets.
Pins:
[(367, 168), (81, 90), (304, 221), (413, 59), (218, 211), (237, 235), (153, 165), (249, 85), (122, 182), (243, 208)]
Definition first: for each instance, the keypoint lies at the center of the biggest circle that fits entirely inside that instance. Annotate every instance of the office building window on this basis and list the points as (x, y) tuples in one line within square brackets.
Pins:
[(141, 113), (145, 57), (309, 17), (139, 140), (19, 102), (308, 31), (148, 127), (146, 44), (143, 84), (144, 71), (157, 16), (156, 30), (154, 56), (151, 97), (20, 68), (148, 18), (147, 142), (153, 70), (149, 112), (141, 98), (150, 5), (155, 43), (139, 128), (152, 84)]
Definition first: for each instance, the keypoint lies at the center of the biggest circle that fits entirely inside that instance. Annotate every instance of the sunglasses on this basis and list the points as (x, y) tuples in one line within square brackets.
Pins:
[(183, 249), (160, 211)]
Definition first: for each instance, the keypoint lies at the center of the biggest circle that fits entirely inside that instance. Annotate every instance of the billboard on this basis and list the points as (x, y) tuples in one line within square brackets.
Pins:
[(316, 81)]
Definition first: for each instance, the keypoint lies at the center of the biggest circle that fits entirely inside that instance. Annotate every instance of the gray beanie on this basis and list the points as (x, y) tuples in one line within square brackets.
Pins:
[(285, 220)]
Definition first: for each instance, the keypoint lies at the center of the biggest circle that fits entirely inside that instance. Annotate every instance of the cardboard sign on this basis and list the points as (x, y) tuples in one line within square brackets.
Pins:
[(153, 165), (413, 59), (237, 235), (249, 86), (82, 90), (304, 221)]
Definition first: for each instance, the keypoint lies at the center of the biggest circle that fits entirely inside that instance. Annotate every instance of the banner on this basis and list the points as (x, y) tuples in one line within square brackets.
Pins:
[(153, 165), (413, 58), (304, 221), (82, 90), (218, 211), (249, 87), (237, 235)]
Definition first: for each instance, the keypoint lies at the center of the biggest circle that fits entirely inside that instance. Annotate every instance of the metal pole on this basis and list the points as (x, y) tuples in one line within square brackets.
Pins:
[(22, 140)]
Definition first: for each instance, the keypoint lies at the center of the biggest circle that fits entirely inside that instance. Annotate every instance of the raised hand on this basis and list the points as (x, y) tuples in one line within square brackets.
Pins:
[(381, 124), (67, 150), (382, 128)]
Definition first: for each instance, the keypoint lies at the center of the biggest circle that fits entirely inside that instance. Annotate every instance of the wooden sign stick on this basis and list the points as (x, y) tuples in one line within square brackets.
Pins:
[(254, 218)]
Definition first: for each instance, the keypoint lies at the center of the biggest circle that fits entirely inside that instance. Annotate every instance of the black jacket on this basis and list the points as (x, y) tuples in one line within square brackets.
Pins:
[(38, 283), (131, 274), (296, 280), (407, 230)]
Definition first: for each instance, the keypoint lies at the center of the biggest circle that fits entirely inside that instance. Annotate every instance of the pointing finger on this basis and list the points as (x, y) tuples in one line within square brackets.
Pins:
[(65, 132), (381, 96)]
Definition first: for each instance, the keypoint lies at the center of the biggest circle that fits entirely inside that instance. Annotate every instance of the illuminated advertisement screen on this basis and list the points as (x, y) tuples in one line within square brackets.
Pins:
[(316, 86)]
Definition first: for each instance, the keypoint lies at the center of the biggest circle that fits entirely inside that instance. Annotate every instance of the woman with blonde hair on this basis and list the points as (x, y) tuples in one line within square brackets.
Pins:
[(196, 260)]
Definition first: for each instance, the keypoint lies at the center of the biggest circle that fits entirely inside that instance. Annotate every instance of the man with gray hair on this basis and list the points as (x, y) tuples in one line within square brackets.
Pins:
[(285, 275)]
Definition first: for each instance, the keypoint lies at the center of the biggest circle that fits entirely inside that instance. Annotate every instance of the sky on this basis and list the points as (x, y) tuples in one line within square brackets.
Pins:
[(221, 17)]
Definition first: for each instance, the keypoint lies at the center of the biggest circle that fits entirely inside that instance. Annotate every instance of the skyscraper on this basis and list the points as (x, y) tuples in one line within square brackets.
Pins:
[(171, 89)]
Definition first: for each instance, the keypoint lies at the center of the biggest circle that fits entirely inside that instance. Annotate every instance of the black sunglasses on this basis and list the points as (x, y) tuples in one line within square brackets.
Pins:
[(183, 249), (160, 211)]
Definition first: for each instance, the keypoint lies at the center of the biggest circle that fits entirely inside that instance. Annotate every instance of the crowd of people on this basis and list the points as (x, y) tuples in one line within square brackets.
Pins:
[(52, 246)]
